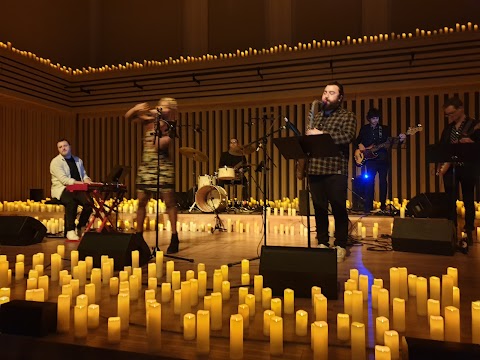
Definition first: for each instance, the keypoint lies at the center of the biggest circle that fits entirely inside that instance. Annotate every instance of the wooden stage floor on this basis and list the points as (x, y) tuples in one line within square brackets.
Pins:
[(372, 258)]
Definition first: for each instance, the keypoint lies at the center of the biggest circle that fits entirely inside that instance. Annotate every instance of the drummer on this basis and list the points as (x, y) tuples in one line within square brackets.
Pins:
[(235, 158)]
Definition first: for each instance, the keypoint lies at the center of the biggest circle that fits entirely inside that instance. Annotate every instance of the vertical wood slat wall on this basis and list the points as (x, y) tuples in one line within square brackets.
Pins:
[(29, 134)]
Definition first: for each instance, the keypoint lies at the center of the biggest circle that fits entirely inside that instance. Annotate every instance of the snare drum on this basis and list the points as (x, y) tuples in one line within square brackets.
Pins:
[(210, 198), (206, 180), (226, 173)]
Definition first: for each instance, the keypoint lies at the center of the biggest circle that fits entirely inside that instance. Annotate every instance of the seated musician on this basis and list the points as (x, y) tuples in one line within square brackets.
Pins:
[(234, 158), (67, 169)]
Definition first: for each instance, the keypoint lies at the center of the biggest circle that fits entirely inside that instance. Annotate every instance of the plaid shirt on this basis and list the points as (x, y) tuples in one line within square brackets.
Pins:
[(341, 125)]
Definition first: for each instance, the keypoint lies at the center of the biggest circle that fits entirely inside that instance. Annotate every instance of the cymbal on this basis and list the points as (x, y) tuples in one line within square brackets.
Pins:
[(242, 150), (194, 154)]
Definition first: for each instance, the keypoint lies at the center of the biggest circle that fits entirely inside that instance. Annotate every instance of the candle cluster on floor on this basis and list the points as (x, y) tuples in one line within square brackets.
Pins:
[(436, 298)]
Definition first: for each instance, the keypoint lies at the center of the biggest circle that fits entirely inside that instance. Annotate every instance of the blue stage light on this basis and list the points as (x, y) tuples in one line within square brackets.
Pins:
[(365, 176)]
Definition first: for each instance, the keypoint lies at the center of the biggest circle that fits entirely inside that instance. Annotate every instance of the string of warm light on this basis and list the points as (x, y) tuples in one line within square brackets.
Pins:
[(239, 53)]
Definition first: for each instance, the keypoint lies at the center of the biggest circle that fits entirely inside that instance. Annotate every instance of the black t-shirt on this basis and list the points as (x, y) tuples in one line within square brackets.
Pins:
[(73, 168)]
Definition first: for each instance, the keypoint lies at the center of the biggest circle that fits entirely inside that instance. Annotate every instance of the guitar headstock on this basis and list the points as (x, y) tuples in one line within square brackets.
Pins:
[(414, 129)]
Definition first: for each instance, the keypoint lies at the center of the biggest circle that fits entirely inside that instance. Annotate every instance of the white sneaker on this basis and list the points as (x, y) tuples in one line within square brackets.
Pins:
[(71, 235), (323, 246), (341, 252)]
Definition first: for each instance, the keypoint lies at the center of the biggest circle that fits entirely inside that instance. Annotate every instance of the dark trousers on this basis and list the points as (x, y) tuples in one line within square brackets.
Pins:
[(330, 189), (373, 167), (71, 200), (463, 177)]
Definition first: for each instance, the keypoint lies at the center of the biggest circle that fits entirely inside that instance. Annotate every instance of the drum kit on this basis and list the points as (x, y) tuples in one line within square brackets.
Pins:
[(210, 197)]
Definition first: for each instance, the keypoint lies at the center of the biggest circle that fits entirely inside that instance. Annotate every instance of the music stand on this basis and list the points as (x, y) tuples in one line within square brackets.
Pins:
[(306, 147), (117, 174)]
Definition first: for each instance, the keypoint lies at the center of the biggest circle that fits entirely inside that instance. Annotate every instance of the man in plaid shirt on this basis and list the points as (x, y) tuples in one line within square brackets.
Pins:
[(328, 175)]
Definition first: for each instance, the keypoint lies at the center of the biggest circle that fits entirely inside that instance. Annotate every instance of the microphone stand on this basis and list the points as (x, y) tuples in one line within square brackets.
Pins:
[(266, 159), (156, 138)]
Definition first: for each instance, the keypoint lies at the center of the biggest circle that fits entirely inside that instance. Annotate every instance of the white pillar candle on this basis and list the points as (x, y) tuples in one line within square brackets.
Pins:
[(80, 321), (301, 322), (358, 341), (194, 292), (166, 292), (154, 326), (315, 290), (203, 332), (236, 336), (357, 306), (320, 307), (186, 305), (399, 314), (437, 328), (374, 290), (267, 315), (434, 287), (245, 266), (43, 283), (433, 308), (381, 325), (96, 278), (250, 302), (363, 286), (383, 303), (452, 324), (276, 335), (225, 290), (421, 296), (176, 280), (476, 322), (343, 327), (189, 326), (320, 340), (276, 306), (216, 311), (244, 311), (447, 290), (170, 268), (177, 302), (456, 297), (114, 334), (289, 301), (123, 309), (63, 313), (394, 283), (453, 272), (245, 279), (382, 352), (347, 302), (159, 264), (152, 270), (266, 297), (412, 285), (202, 283), (93, 314)]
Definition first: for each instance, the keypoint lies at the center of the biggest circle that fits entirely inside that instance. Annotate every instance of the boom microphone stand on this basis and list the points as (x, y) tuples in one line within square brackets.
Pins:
[(156, 137)]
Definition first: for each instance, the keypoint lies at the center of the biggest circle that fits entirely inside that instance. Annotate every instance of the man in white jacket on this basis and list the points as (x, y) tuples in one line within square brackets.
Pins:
[(67, 169)]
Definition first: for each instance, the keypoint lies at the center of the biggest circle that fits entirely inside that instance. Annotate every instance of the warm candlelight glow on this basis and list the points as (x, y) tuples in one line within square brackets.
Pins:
[(236, 336), (276, 335), (301, 322), (392, 341), (436, 328), (358, 341), (399, 314), (343, 327), (203, 332), (381, 325), (452, 324)]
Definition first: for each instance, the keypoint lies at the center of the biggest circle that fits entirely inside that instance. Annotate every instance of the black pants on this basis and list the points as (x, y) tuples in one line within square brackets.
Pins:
[(330, 189), (71, 200), (373, 167), (466, 178)]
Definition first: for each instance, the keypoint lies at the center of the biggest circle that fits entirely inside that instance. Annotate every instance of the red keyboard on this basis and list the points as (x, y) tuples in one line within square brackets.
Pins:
[(96, 186)]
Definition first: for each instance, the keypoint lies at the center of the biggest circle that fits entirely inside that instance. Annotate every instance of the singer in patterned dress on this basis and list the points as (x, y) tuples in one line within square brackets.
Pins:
[(166, 111), (328, 175)]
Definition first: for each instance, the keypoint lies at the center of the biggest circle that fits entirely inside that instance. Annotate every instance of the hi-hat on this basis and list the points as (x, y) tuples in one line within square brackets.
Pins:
[(242, 150), (194, 154)]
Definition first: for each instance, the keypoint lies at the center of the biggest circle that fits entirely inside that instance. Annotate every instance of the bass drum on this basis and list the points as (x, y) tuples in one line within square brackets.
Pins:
[(210, 198)]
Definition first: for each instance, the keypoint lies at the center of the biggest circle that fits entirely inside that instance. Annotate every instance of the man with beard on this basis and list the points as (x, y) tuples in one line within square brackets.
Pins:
[(328, 176)]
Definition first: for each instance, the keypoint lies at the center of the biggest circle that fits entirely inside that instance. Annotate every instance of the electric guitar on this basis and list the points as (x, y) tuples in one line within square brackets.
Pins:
[(362, 156)]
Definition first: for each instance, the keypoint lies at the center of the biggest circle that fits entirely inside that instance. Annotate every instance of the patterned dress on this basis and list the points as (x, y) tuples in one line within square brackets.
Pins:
[(147, 171)]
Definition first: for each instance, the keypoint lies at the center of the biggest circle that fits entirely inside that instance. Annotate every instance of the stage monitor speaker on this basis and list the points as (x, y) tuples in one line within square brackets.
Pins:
[(420, 349), (299, 268), (118, 246), (302, 203), (427, 236), (21, 230), (429, 205), (29, 318)]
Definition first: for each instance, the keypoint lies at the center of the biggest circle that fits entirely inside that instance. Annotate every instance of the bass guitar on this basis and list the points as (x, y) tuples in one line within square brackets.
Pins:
[(362, 156)]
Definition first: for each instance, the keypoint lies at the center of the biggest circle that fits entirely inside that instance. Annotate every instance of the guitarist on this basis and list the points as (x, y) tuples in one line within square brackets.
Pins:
[(374, 134), (461, 129)]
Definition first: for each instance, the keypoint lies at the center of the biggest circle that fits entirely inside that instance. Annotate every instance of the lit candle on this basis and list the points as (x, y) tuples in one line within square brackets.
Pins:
[(134, 290), (476, 322), (135, 259), (154, 326), (175, 280), (276, 335), (343, 327), (159, 263), (456, 297), (289, 301), (382, 352), (216, 311), (63, 313), (276, 306), (301, 321), (357, 306), (177, 302), (225, 290), (315, 290), (245, 266), (166, 292), (433, 307), (257, 287), (236, 336), (93, 316), (250, 302), (381, 325), (242, 293), (421, 296), (123, 309), (447, 290), (403, 283), (170, 267), (320, 340), (399, 314), (375, 233), (202, 283), (412, 284), (358, 341), (347, 302), (203, 332), (194, 292), (267, 315), (320, 307), (43, 283), (266, 297), (434, 287), (96, 278), (244, 310), (363, 286), (80, 321), (224, 269), (452, 324), (394, 283), (114, 335), (453, 272), (185, 298), (73, 258), (375, 289), (207, 302), (82, 299), (436, 328), (383, 303), (189, 326)]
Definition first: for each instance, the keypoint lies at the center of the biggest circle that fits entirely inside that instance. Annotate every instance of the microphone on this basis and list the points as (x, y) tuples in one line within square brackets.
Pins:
[(260, 166), (289, 125), (260, 145), (197, 128), (249, 123)]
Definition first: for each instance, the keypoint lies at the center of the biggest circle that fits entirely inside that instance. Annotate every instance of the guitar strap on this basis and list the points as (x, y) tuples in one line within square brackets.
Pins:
[(380, 133)]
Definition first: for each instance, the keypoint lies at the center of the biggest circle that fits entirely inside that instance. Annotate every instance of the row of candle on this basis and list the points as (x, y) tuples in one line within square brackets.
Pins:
[(30, 206), (238, 53)]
